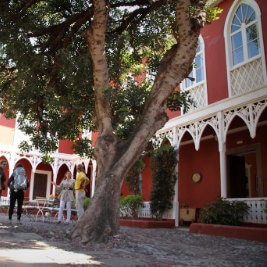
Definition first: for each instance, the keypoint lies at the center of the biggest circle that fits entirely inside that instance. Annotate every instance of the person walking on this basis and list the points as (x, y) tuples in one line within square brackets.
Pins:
[(18, 183), (2, 176), (80, 185), (65, 196)]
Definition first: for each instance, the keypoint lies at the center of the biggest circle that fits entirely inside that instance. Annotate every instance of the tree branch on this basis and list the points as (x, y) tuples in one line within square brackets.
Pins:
[(95, 37), (174, 67), (134, 18)]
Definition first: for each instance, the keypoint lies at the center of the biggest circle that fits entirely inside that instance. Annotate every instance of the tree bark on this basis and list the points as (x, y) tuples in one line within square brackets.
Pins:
[(115, 157)]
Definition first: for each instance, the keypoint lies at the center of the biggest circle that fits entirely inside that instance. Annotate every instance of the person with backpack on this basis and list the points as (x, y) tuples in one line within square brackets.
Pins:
[(80, 184), (17, 183)]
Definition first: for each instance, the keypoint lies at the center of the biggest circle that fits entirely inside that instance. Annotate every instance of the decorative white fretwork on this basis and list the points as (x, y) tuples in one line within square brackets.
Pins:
[(220, 121), (246, 78), (249, 113), (199, 97)]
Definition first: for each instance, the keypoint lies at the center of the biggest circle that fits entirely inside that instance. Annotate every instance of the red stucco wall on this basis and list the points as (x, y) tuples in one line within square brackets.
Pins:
[(206, 161), (65, 146), (215, 57), (7, 122), (7, 172), (263, 7), (147, 181)]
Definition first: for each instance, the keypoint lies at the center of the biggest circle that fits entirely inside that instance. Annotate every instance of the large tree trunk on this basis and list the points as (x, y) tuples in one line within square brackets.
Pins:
[(101, 220), (115, 157)]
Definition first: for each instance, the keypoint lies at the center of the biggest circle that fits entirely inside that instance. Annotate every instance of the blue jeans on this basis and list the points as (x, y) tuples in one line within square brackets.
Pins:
[(61, 209)]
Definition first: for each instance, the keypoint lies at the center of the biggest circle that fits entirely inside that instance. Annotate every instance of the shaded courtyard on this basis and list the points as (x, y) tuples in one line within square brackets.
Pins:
[(47, 244)]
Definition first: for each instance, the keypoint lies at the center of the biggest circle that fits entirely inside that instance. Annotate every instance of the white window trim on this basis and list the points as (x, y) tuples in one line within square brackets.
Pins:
[(227, 39), (204, 69), (204, 81)]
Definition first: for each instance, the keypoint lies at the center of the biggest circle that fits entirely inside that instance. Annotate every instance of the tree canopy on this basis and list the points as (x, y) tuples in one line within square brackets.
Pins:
[(111, 66), (46, 68)]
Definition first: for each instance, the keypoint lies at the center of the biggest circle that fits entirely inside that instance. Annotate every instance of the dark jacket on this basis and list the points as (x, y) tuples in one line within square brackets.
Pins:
[(3, 178)]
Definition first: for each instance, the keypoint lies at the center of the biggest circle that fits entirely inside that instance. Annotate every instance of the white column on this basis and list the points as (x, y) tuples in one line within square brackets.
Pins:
[(93, 178), (175, 199), (223, 175), (222, 151), (55, 173)]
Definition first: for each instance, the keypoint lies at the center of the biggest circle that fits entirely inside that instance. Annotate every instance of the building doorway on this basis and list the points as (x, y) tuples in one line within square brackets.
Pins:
[(238, 181), (41, 184), (244, 173)]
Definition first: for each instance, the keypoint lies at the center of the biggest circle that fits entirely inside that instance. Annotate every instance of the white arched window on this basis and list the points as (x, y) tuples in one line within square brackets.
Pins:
[(246, 68), (244, 34), (197, 74), (196, 81)]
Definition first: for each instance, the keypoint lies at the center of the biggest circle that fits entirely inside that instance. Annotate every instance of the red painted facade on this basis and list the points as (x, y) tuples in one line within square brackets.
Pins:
[(6, 122), (238, 140), (65, 146)]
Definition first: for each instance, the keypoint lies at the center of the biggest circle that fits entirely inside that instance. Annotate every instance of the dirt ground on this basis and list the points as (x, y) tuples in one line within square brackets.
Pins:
[(130, 247)]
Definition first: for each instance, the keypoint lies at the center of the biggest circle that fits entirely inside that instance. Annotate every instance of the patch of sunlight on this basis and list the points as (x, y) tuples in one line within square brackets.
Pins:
[(49, 256)]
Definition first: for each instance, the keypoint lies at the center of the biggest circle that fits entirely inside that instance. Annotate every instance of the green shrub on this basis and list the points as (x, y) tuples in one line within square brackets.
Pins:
[(224, 212), (86, 203), (129, 206), (163, 162), (132, 177)]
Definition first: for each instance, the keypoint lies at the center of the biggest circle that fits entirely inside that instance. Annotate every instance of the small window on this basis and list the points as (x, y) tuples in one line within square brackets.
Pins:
[(197, 73), (244, 35)]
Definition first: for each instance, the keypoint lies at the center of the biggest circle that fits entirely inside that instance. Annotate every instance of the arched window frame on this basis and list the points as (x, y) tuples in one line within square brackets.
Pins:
[(228, 45), (200, 57), (242, 31)]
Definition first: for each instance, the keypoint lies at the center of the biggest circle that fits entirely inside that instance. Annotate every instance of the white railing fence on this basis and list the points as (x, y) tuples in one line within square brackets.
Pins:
[(4, 201), (146, 213), (256, 214), (257, 208)]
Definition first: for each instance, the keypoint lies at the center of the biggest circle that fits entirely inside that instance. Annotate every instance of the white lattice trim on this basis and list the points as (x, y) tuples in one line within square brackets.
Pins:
[(247, 77)]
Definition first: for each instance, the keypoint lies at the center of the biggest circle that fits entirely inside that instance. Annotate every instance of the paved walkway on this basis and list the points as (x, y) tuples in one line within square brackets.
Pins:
[(45, 244)]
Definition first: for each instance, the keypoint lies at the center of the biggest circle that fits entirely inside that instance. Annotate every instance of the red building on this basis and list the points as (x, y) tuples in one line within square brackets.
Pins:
[(221, 141)]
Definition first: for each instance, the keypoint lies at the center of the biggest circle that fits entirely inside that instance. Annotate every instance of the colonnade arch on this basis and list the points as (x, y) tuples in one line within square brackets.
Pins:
[(34, 159)]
